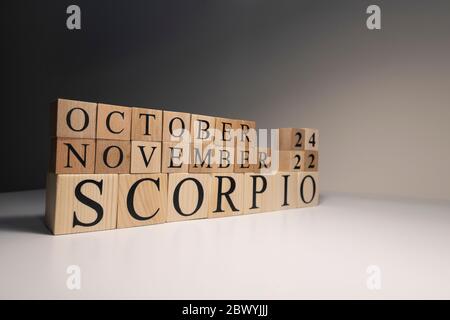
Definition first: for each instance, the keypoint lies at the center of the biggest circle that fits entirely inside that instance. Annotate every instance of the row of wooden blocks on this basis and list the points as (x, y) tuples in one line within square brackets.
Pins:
[(101, 138), (93, 202)]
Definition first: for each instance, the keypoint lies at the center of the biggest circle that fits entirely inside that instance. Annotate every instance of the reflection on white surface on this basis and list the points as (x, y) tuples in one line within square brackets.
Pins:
[(339, 249)]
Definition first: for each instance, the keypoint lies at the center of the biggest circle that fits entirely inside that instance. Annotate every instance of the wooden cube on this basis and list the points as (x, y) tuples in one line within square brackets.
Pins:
[(265, 163), (146, 124), (246, 159), (258, 192), (290, 139), (289, 161), (145, 157), (176, 126), (227, 195), (112, 156), (225, 132), (81, 202), (70, 155), (142, 199), (224, 159), (285, 195), (202, 156), (73, 119), (308, 189), (188, 196), (175, 157), (311, 161), (246, 134), (202, 128), (311, 139), (113, 122)]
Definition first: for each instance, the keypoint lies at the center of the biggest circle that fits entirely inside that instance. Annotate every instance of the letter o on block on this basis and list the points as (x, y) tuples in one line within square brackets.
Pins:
[(188, 196), (308, 189)]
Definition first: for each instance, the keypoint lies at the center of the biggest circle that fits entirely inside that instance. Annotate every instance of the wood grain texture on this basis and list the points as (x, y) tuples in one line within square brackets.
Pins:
[(224, 158), (258, 192), (246, 159), (308, 189), (265, 163), (246, 134), (69, 155), (202, 157), (311, 161), (290, 161), (227, 195), (146, 124), (188, 196), (73, 119), (113, 122), (285, 190), (145, 157), (290, 139), (175, 157), (112, 156), (202, 128), (81, 202), (142, 200), (225, 133), (311, 139), (176, 126)]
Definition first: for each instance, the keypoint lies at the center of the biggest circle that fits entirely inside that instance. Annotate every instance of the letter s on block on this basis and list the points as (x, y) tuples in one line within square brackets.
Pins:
[(89, 202)]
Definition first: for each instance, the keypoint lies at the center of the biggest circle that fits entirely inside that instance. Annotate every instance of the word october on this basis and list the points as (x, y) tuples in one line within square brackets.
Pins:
[(117, 167)]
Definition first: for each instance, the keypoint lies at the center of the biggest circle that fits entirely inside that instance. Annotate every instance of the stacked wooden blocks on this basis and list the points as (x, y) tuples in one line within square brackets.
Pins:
[(117, 167)]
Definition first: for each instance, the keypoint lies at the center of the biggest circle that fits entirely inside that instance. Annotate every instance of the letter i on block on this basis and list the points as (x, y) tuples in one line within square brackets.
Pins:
[(188, 196), (142, 200), (285, 190), (81, 202)]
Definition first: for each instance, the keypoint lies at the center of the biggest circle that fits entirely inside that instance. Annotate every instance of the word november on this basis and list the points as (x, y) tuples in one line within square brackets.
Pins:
[(116, 167)]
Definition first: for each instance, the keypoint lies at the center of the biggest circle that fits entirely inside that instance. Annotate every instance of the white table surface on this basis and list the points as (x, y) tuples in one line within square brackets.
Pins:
[(320, 252)]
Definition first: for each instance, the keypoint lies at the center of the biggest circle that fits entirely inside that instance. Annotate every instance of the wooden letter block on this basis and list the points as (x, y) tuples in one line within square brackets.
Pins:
[(311, 161), (246, 134), (265, 163), (188, 196), (72, 155), (290, 139), (311, 139), (227, 196), (145, 157), (73, 119), (258, 192), (113, 122), (224, 159), (225, 132), (246, 159), (175, 157), (290, 161), (285, 190), (202, 157), (81, 202), (202, 128), (112, 156), (146, 124), (176, 126), (308, 189), (142, 200)]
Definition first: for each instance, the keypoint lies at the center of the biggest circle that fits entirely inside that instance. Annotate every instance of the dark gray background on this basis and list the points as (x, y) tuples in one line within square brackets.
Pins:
[(380, 98)]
